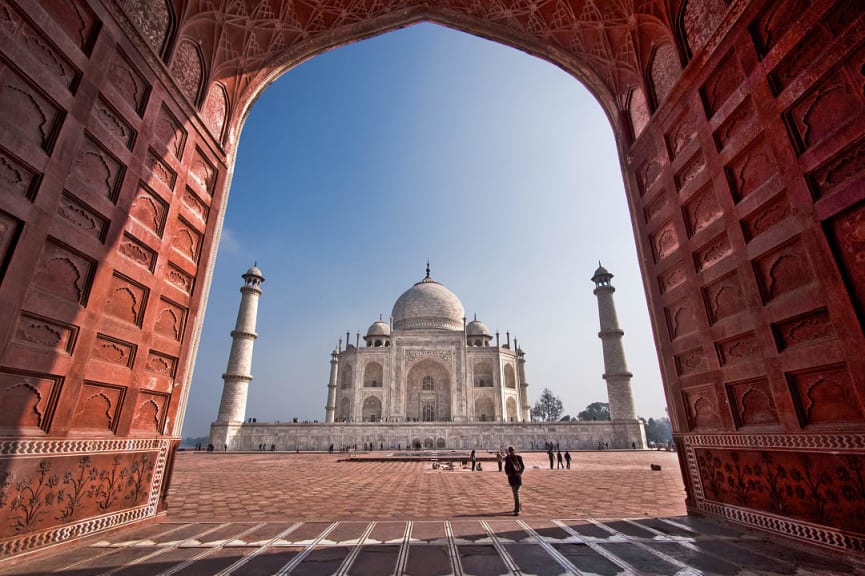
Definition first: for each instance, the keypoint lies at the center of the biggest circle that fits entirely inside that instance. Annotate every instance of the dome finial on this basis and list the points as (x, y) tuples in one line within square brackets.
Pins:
[(427, 268)]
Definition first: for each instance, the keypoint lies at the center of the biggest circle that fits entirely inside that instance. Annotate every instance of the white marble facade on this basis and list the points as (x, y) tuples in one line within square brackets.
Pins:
[(428, 365)]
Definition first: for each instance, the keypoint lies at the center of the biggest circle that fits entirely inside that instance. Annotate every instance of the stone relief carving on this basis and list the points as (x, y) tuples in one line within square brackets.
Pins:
[(160, 171), (188, 69), (701, 18), (126, 300), (36, 117), (95, 170), (215, 110), (150, 210), (179, 278), (128, 82), (137, 253), (152, 19), (443, 355), (34, 329), (89, 221), (14, 177), (168, 131), (664, 71)]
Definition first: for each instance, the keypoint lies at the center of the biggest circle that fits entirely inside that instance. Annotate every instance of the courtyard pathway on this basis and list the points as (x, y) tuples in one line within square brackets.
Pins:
[(312, 514)]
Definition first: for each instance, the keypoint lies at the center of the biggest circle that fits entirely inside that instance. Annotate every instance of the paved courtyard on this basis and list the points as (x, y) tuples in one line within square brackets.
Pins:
[(312, 514)]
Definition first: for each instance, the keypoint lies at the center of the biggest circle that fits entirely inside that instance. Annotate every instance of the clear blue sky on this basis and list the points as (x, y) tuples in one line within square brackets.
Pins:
[(358, 165)]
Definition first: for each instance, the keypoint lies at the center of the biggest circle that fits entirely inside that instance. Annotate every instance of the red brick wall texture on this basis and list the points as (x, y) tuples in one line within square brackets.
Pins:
[(741, 132)]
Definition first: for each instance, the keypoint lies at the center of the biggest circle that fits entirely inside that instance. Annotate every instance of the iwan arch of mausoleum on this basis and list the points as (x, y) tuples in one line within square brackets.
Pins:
[(741, 134)]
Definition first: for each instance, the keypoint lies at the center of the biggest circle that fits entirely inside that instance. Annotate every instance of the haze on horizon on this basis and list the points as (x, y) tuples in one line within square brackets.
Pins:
[(357, 166)]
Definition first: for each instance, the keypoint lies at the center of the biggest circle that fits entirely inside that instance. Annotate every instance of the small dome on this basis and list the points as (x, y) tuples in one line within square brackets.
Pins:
[(601, 271), (378, 328), (426, 305), (254, 271), (477, 328)]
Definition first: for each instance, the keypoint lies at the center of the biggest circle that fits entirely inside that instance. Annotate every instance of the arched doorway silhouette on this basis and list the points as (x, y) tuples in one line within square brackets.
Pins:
[(741, 155)]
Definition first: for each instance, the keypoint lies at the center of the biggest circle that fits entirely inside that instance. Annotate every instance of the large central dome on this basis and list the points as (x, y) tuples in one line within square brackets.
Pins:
[(428, 304)]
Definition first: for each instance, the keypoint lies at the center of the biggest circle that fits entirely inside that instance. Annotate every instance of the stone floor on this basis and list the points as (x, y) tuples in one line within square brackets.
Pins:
[(262, 514)]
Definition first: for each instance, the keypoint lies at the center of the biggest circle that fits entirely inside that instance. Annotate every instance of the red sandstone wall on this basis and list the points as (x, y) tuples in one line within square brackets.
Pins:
[(741, 135)]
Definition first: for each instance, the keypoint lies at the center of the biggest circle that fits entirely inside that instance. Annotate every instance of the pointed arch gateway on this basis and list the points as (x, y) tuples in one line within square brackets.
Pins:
[(726, 119)]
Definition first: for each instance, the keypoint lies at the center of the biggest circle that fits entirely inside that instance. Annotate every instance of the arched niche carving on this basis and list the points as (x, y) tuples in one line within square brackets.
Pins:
[(215, 110), (155, 20), (664, 71), (697, 20), (187, 68)]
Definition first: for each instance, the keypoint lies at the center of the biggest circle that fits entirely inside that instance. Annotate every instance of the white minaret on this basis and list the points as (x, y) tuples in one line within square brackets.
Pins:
[(615, 369), (330, 408), (232, 407)]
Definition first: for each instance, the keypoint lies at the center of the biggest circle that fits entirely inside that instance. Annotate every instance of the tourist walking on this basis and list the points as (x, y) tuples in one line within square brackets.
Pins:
[(514, 468), (499, 459), (550, 455), (474, 460), (561, 465), (568, 459)]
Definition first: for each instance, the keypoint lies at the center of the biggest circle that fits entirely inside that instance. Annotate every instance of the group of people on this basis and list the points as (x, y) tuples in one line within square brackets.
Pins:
[(563, 463)]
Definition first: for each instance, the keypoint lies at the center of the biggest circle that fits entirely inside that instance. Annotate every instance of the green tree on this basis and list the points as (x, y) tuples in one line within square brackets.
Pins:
[(548, 408), (659, 431), (595, 411)]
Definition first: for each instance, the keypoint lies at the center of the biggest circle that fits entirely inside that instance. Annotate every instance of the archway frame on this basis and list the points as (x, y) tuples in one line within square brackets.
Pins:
[(706, 136)]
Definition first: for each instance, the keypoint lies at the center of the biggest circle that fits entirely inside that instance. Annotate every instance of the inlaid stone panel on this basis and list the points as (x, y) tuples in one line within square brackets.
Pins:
[(168, 132), (149, 414), (803, 330), (114, 351), (10, 229), (752, 403), (128, 82), (16, 178), (95, 171), (78, 21), (82, 216), (137, 252), (750, 169), (831, 104), (783, 270), (98, 407), (64, 272), (847, 235), (736, 349), (722, 83), (825, 488), (701, 407), (824, 395), (126, 299), (37, 117), (28, 399), (36, 330), (774, 211), (149, 209)]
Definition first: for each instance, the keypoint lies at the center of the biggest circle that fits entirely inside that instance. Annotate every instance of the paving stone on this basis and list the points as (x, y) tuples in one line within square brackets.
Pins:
[(322, 561), (375, 561), (428, 561), (587, 560), (268, 562), (481, 561), (216, 561), (534, 560), (642, 560)]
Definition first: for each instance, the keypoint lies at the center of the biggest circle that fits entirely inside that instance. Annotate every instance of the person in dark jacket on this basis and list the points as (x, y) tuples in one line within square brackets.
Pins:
[(514, 468)]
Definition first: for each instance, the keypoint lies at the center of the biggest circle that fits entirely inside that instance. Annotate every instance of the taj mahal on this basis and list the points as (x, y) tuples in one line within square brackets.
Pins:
[(427, 378)]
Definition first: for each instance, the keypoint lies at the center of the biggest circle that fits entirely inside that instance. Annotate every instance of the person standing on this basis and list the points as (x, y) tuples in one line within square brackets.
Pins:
[(568, 459), (561, 465), (499, 459), (474, 460), (514, 468), (550, 455)]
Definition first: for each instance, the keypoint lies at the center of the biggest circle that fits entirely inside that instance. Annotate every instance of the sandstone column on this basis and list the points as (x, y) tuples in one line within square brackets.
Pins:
[(232, 407), (330, 409), (615, 369)]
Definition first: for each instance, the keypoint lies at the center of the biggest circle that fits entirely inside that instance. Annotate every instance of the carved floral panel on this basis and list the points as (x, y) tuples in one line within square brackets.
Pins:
[(126, 299), (824, 395), (64, 273), (820, 487), (57, 490), (37, 330), (95, 171)]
